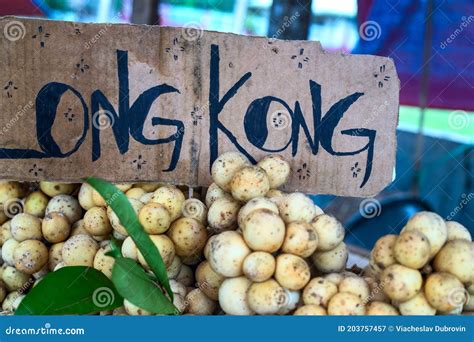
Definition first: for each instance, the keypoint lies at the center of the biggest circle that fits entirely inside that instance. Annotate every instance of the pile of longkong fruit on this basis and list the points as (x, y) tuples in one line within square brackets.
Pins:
[(242, 247)]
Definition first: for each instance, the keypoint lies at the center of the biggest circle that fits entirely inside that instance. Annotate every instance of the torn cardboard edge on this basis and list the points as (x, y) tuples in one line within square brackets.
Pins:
[(145, 103)]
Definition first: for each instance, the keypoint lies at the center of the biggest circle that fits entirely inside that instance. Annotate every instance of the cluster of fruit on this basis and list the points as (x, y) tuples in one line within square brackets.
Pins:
[(428, 268), (243, 247)]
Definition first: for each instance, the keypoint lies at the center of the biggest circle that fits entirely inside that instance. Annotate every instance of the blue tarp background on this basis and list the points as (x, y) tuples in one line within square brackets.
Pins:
[(399, 27)]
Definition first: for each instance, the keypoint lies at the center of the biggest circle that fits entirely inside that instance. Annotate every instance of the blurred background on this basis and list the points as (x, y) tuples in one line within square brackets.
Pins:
[(432, 44)]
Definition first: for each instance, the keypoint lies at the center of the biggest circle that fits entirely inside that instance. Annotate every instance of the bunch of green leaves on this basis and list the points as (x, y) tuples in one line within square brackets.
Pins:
[(79, 290)]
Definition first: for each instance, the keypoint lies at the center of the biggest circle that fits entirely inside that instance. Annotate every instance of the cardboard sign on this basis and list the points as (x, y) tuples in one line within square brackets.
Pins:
[(129, 103)]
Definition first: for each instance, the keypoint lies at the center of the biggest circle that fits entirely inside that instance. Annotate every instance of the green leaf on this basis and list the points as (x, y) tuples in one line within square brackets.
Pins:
[(115, 251), (134, 284), (119, 203), (74, 290)]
